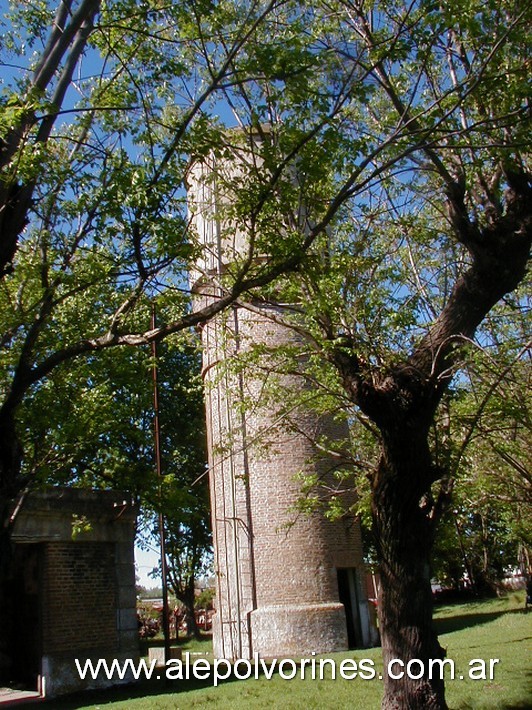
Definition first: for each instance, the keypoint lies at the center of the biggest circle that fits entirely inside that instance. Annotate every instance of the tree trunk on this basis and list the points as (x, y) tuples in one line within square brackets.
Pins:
[(404, 534), (187, 596), (190, 616), (192, 626)]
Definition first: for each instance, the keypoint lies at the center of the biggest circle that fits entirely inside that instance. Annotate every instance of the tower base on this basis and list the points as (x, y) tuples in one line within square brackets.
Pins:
[(298, 630)]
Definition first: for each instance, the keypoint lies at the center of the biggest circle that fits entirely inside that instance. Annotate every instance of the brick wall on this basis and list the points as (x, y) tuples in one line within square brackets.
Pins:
[(296, 555), (267, 557), (277, 586), (79, 609)]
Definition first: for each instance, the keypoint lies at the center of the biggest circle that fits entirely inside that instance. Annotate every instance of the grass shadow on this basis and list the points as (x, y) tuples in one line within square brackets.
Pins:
[(123, 693), (133, 691), (446, 625), (186, 643)]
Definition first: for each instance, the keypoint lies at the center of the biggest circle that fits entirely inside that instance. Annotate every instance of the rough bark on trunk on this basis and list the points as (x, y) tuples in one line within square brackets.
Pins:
[(404, 534), (186, 594), (402, 400), (10, 458)]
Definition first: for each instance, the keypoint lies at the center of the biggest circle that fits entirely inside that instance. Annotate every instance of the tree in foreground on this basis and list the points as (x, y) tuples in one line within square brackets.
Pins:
[(103, 106), (474, 192), (428, 157)]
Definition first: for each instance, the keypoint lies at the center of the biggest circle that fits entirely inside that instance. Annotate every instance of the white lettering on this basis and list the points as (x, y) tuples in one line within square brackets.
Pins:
[(293, 671), (392, 663), (366, 669), (217, 663), (477, 669), (287, 668), (201, 669), (268, 670), (323, 663), (441, 663), (174, 669), (248, 672), (348, 669), (410, 673), (120, 669)]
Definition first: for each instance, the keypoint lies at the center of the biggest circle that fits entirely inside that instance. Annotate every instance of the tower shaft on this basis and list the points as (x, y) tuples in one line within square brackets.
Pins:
[(288, 583)]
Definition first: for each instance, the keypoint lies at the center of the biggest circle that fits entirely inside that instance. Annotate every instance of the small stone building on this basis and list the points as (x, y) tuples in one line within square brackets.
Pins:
[(70, 593), (287, 584)]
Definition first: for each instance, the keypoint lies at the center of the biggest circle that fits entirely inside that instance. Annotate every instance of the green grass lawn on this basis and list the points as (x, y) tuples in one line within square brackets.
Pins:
[(479, 630)]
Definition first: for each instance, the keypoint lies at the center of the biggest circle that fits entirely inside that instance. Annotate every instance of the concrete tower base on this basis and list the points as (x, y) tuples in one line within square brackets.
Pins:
[(299, 630)]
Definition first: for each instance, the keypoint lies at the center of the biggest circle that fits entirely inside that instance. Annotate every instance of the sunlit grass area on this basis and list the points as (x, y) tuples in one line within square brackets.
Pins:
[(493, 629), (498, 628)]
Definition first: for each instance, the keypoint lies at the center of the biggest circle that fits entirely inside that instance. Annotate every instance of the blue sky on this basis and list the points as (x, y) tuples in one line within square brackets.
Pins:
[(145, 561)]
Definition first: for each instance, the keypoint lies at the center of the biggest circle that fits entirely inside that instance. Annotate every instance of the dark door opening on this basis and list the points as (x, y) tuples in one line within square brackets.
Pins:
[(347, 593), (24, 624)]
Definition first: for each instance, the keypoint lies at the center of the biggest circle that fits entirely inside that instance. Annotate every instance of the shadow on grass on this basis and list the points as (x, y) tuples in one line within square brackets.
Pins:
[(202, 644), (205, 637), (465, 621), (154, 687), (123, 693)]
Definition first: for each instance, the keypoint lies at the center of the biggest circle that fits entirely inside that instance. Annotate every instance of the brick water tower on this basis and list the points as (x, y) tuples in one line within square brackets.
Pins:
[(286, 583)]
